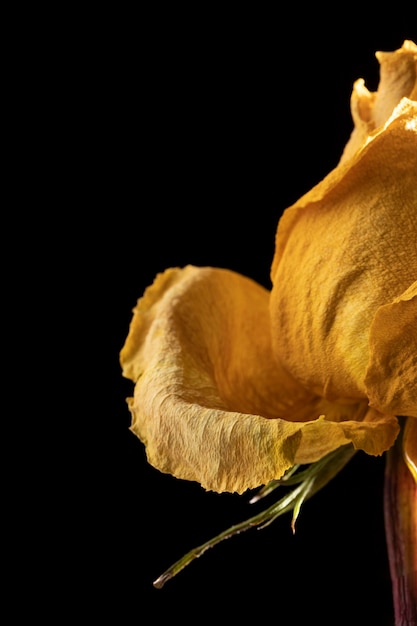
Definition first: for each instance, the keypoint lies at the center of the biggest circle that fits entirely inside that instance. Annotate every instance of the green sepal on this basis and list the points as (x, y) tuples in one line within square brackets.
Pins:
[(309, 481)]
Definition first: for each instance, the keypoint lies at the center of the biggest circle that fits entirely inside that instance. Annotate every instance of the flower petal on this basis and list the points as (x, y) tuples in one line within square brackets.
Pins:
[(211, 403), (371, 110), (214, 322), (391, 377), (345, 249), (367, 429)]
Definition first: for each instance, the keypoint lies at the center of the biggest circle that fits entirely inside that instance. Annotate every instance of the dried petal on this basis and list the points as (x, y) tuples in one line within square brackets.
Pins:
[(235, 385), (345, 249), (211, 403), (371, 110), (391, 377)]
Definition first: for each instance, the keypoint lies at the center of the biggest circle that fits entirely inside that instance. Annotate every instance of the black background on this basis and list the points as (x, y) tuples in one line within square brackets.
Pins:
[(193, 132)]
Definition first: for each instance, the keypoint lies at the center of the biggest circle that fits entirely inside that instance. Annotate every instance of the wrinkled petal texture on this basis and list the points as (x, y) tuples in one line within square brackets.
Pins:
[(211, 402), (233, 384), (371, 110), (391, 377), (345, 254)]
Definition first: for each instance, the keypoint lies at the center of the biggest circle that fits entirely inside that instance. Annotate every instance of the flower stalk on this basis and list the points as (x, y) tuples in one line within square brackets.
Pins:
[(400, 514)]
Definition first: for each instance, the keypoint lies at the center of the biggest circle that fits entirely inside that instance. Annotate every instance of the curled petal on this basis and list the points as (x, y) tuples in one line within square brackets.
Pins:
[(211, 402), (213, 324), (345, 249), (391, 377), (371, 110)]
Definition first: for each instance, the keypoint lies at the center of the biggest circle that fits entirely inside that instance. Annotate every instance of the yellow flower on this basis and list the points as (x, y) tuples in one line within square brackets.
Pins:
[(235, 384)]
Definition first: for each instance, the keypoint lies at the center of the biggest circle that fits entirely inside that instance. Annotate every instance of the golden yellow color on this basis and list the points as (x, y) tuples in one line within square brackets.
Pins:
[(235, 384), (410, 448)]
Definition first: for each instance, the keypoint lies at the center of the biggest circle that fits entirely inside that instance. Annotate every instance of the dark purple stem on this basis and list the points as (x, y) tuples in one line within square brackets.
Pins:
[(400, 514)]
